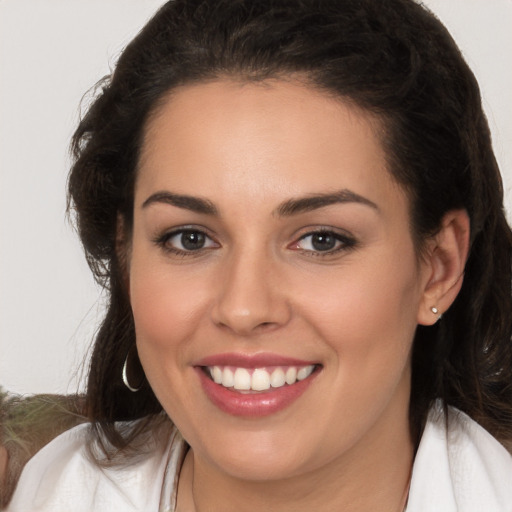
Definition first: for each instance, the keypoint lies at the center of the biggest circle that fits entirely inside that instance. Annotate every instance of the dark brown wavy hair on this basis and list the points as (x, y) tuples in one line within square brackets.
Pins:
[(392, 58)]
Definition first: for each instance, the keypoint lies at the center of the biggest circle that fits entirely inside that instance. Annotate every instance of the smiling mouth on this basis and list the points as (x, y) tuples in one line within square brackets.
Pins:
[(248, 380)]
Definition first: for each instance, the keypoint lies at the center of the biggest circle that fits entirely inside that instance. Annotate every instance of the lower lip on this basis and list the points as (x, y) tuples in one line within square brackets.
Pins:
[(257, 404)]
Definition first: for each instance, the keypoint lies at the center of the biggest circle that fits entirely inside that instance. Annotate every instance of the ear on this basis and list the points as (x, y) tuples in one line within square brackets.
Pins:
[(444, 264)]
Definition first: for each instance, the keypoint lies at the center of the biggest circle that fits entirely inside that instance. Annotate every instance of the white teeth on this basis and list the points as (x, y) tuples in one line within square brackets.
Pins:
[(261, 379), (228, 379), (216, 375), (304, 373), (291, 375), (242, 379), (277, 379)]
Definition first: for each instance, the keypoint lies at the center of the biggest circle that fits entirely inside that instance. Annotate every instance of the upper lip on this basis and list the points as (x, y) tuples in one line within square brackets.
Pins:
[(251, 360)]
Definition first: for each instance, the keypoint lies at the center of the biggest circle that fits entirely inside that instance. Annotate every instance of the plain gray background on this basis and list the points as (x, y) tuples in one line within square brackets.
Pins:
[(51, 52)]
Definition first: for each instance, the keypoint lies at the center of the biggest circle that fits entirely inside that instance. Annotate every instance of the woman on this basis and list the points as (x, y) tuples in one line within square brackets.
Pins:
[(297, 212)]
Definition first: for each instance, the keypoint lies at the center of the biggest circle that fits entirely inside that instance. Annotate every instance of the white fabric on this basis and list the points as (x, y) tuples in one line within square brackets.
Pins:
[(459, 469), (63, 478)]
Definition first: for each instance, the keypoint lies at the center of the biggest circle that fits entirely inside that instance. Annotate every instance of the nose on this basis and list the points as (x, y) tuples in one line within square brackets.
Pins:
[(250, 298)]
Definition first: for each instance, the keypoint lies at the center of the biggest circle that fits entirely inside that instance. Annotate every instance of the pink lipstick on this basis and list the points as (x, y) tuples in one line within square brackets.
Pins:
[(254, 385)]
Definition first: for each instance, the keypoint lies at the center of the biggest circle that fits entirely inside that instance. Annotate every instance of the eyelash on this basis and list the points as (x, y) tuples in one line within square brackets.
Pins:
[(343, 242), (162, 241)]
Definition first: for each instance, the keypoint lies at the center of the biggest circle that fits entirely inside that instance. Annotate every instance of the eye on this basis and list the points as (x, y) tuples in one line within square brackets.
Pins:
[(324, 241), (186, 241)]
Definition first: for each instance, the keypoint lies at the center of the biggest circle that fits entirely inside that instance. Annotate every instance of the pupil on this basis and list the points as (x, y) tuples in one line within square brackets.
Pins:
[(323, 241), (192, 240)]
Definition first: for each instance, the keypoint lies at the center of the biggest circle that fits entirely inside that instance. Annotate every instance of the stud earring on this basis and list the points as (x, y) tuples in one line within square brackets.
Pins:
[(436, 312)]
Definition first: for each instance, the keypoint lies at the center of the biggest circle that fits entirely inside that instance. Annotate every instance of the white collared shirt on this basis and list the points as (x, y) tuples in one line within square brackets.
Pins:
[(461, 468)]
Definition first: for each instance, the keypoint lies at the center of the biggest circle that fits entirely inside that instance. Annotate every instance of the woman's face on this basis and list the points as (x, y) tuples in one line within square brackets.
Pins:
[(272, 253)]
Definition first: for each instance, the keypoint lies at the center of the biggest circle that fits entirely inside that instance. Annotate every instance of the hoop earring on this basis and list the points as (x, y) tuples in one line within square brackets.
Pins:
[(124, 375)]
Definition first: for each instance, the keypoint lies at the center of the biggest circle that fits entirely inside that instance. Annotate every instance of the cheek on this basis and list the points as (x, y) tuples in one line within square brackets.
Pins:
[(166, 306), (367, 314), (166, 309), (366, 317)]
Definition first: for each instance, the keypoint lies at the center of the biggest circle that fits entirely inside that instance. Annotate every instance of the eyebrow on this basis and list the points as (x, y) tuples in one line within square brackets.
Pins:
[(316, 201), (195, 204), (285, 209)]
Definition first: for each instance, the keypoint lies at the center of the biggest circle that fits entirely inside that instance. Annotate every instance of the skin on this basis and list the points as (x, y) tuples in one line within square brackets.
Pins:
[(258, 285)]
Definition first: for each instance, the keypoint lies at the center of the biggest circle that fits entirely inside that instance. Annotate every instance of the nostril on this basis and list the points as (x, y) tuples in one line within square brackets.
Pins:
[(266, 325)]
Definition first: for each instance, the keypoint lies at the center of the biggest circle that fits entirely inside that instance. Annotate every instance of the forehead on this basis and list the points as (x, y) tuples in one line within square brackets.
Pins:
[(275, 138)]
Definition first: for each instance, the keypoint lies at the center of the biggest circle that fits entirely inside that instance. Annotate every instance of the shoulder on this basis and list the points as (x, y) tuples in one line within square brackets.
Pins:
[(63, 477), (459, 466)]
